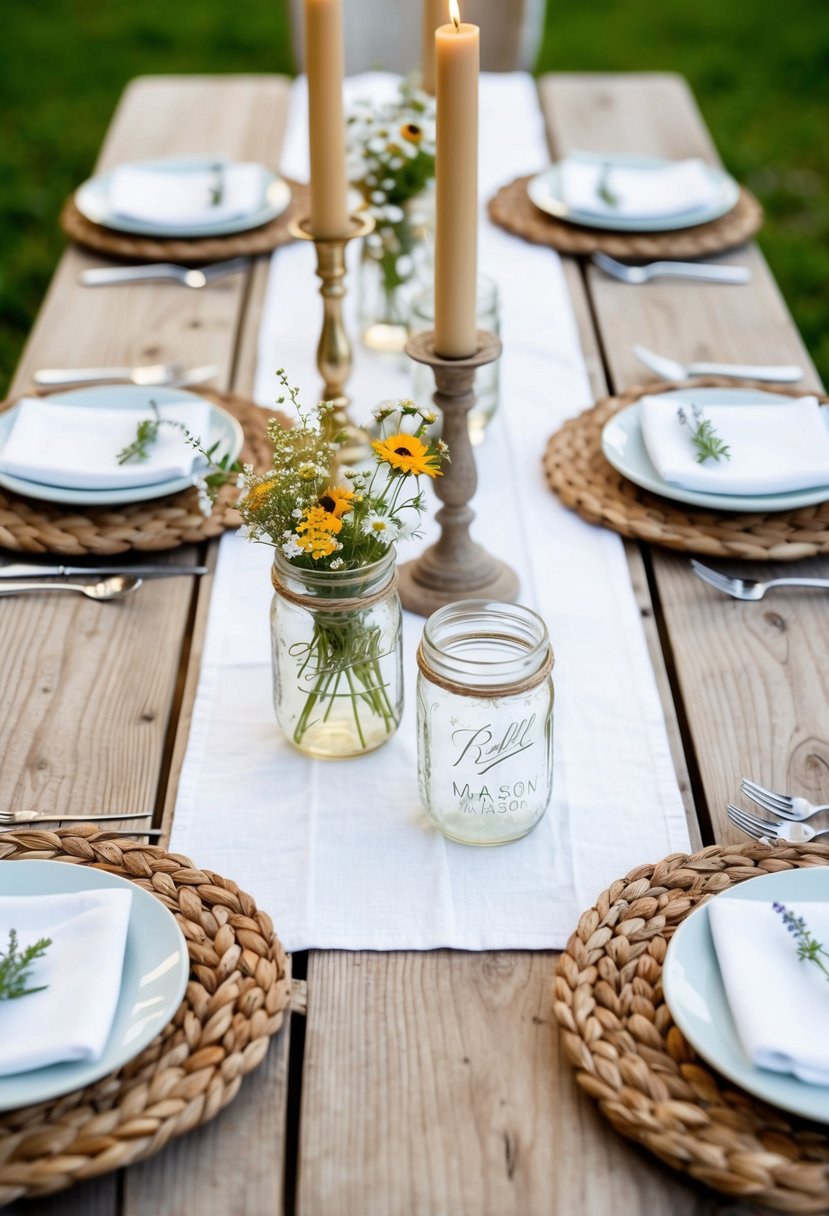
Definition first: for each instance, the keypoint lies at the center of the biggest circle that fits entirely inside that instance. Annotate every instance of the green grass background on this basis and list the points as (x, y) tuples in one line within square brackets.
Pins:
[(760, 71)]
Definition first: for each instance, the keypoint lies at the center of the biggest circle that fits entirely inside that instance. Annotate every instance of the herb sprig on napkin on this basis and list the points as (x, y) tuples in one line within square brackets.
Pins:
[(703, 436), (15, 967)]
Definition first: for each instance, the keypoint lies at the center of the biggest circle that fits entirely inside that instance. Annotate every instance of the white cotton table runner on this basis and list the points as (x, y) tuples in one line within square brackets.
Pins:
[(340, 853)]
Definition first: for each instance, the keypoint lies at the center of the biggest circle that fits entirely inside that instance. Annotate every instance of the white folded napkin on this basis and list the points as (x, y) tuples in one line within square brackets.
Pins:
[(76, 447), (775, 447), (72, 1017), (780, 1005), (188, 196), (638, 193)]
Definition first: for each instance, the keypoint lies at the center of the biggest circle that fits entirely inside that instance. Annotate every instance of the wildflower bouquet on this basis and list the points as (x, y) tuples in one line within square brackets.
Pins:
[(391, 160), (336, 632)]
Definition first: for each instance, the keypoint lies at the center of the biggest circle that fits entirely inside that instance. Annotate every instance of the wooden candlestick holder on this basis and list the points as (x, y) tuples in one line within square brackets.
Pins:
[(334, 348), (455, 567)]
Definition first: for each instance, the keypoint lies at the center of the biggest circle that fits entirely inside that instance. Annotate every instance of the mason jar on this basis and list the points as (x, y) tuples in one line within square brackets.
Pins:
[(485, 721), (337, 657)]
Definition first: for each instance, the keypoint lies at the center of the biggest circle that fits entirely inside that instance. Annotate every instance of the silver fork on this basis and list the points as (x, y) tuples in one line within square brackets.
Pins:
[(102, 276), (764, 829), (749, 588), (783, 805), (671, 270)]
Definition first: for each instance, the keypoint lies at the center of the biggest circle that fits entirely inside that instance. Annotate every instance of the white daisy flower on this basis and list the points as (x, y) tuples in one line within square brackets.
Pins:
[(290, 547), (380, 526)]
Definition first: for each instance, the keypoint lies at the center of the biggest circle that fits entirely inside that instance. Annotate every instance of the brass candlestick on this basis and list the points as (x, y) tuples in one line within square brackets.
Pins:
[(455, 567), (334, 348)]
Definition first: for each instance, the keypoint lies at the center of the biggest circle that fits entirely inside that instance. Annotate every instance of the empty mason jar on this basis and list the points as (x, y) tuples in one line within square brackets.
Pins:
[(422, 317), (485, 720), (337, 659)]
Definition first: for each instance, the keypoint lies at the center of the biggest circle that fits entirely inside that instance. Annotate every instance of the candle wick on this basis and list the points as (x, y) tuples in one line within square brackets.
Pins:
[(456, 22)]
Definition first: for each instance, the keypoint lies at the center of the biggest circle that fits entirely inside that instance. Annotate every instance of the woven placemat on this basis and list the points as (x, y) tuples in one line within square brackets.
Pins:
[(235, 1000), (619, 1036), (29, 526), (176, 249), (512, 209), (581, 476)]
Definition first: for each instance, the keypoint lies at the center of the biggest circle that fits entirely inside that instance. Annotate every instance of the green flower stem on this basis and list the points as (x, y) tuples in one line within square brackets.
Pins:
[(344, 650)]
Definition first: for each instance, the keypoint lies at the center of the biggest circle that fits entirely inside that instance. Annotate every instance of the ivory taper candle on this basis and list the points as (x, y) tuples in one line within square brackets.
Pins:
[(434, 14), (457, 59), (324, 66)]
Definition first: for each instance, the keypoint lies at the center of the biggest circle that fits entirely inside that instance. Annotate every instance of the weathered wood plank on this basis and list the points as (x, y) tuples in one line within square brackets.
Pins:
[(90, 691), (753, 678), (433, 1085)]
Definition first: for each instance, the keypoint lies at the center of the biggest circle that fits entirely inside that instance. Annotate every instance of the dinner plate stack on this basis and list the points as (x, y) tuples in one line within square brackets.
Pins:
[(150, 957), (69, 447), (187, 197)]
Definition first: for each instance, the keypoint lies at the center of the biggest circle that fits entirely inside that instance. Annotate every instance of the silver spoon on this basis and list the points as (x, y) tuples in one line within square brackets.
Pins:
[(116, 587)]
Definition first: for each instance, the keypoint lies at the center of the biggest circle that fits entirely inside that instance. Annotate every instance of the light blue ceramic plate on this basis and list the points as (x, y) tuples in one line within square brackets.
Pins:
[(545, 191), (224, 430), (92, 200), (624, 448), (156, 970), (696, 998)]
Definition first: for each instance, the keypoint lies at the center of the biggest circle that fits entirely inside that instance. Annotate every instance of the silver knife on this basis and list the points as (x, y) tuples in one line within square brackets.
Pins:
[(21, 570), (109, 831), (65, 377), (45, 817), (102, 276), (672, 369)]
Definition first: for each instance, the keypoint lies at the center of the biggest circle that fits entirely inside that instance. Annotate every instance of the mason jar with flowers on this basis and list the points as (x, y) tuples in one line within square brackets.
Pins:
[(335, 617), (391, 161)]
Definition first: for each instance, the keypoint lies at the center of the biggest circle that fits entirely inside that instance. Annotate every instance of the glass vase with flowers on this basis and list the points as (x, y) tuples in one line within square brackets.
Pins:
[(391, 162), (335, 618)]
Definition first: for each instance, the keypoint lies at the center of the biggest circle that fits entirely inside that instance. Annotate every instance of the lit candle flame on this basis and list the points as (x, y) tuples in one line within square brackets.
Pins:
[(455, 14)]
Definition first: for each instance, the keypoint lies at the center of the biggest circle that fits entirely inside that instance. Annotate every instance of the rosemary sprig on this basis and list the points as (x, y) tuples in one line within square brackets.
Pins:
[(145, 436), (217, 188), (15, 968), (809, 949), (703, 436), (219, 473), (603, 187)]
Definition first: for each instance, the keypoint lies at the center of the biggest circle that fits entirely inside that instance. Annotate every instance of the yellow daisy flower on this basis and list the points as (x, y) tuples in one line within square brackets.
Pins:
[(337, 501), (258, 494), (408, 454), (317, 519), (412, 132)]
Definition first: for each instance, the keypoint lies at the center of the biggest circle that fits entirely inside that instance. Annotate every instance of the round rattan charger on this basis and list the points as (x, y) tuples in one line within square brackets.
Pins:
[(235, 1000), (263, 239), (29, 526), (577, 470), (618, 1034), (512, 209)]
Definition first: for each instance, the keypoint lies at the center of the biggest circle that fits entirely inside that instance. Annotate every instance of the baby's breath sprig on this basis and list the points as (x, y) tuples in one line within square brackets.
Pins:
[(809, 949), (15, 967), (705, 439)]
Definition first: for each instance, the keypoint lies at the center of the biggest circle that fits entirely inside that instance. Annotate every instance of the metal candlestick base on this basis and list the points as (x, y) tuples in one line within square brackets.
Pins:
[(455, 567), (334, 349)]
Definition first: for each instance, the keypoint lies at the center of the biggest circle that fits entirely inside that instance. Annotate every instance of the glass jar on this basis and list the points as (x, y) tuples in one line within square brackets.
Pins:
[(485, 721), (395, 262), (422, 317), (337, 657)]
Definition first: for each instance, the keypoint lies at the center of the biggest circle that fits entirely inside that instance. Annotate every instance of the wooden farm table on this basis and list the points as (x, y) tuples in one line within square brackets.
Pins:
[(412, 1082)]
